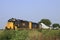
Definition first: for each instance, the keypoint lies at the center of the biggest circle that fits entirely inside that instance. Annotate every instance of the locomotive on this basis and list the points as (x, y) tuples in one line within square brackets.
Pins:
[(21, 24)]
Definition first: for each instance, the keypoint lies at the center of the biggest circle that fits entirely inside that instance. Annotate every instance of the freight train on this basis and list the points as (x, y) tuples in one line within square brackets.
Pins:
[(21, 24)]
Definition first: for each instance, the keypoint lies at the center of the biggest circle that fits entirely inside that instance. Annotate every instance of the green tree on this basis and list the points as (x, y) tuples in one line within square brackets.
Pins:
[(46, 22), (56, 25)]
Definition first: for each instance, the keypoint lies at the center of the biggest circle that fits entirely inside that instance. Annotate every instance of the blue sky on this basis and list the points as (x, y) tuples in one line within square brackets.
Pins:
[(31, 10)]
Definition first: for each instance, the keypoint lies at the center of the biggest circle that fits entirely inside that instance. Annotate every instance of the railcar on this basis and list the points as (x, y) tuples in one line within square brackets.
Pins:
[(21, 24)]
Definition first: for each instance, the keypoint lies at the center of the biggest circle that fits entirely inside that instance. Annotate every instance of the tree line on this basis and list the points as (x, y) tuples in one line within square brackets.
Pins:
[(48, 23)]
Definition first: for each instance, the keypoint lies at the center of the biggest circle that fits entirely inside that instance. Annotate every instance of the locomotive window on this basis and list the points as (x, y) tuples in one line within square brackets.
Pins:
[(16, 23)]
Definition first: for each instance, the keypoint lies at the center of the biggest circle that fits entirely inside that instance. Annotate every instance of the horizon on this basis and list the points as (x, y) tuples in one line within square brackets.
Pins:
[(31, 10)]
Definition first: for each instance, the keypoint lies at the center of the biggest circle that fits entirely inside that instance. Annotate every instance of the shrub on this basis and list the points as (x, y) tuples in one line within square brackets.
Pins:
[(6, 35), (20, 35)]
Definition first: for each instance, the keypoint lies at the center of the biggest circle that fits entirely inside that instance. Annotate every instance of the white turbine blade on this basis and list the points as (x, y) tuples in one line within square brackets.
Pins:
[(44, 26)]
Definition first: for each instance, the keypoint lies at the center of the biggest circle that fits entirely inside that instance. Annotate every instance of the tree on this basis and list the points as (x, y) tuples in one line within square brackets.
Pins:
[(56, 25), (46, 22)]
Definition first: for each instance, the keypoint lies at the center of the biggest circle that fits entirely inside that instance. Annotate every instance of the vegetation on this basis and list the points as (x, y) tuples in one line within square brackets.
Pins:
[(46, 22), (33, 34), (56, 25), (13, 35)]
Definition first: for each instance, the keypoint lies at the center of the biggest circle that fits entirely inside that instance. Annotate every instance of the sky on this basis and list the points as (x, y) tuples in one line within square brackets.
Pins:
[(31, 10)]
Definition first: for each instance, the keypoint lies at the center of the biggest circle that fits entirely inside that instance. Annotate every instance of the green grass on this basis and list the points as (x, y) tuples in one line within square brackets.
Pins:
[(33, 34)]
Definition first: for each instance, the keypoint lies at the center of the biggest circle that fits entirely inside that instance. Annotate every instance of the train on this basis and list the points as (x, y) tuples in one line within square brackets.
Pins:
[(14, 23)]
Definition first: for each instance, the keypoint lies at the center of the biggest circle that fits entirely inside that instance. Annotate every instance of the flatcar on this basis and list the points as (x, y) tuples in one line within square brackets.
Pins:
[(21, 24)]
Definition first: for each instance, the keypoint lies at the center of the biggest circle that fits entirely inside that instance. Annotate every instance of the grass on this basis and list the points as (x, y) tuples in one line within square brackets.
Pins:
[(33, 34), (51, 34)]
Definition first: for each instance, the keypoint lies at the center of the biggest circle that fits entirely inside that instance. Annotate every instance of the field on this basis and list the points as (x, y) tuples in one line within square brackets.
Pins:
[(34, 34)]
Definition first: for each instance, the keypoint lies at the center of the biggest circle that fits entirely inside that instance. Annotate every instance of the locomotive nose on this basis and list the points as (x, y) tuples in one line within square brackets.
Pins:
[(9, 25)]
